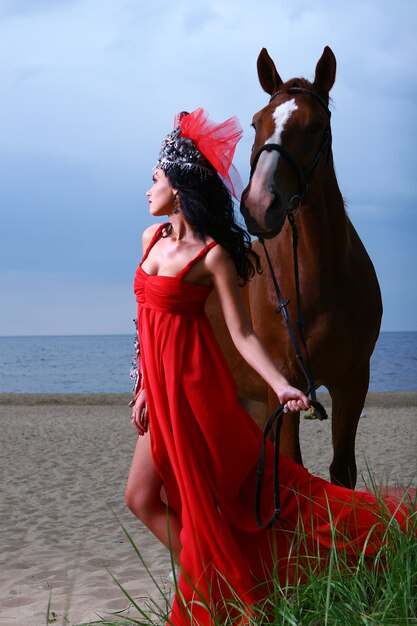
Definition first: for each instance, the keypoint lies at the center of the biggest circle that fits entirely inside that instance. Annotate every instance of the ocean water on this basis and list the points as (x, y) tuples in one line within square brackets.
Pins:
[(67, 364), (101, 363)]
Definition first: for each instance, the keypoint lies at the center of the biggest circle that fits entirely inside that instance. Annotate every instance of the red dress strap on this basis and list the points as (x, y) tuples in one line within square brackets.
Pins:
[(154, 240), (196, 258)]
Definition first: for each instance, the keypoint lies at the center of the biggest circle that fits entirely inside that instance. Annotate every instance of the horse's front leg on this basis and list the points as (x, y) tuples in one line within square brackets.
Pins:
[(289, 444), (347, 404)]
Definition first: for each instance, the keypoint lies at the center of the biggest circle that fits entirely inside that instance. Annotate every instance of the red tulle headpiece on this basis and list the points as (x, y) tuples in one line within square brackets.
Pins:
[(196, 140)]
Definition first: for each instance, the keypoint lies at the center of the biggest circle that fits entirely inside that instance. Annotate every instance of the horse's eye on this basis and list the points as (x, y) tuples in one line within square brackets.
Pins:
[(253, 126), (315, 127)]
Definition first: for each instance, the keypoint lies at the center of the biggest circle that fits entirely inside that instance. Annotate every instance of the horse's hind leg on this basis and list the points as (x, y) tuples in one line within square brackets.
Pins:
[(347, 404)]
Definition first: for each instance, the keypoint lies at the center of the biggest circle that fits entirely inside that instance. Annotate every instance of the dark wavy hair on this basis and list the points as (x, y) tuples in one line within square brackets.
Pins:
[(208, 206)]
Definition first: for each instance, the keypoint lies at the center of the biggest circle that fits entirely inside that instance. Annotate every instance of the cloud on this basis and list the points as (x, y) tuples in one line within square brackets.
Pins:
[(58, 213), (88, 89), (10, 8)]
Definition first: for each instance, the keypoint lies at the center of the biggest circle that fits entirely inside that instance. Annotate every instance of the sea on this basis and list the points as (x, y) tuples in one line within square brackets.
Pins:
[(101, 363)]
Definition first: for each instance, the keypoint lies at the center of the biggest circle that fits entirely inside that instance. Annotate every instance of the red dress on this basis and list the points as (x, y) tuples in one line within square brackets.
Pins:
[(205, 447)]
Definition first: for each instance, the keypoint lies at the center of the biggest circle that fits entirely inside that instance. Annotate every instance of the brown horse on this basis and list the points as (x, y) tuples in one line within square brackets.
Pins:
[(341, 300)]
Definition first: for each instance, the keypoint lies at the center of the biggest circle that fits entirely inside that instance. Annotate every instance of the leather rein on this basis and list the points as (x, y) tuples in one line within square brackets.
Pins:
[(305, 177)]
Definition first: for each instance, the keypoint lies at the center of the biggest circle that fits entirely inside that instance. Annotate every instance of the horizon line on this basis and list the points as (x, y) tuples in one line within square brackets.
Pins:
[(127, 334)]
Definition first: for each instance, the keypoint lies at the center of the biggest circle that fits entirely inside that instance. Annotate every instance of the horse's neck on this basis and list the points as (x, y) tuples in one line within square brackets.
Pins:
[(323, 221)]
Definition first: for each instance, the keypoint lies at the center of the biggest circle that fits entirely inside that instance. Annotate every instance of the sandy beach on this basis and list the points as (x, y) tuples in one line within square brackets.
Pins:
[(63, 466)]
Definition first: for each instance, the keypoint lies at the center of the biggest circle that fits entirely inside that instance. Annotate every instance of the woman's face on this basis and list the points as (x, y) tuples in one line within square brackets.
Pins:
[(160, 195)]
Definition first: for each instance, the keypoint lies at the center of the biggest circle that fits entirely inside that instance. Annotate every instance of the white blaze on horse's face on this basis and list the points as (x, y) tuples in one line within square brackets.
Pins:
[(261, 192)]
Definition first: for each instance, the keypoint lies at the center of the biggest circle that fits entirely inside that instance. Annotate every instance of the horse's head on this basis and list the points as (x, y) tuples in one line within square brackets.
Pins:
[(291, 134)]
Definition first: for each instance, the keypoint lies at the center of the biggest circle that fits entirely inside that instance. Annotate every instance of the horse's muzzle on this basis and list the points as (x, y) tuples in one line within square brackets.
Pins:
[(273, 220)]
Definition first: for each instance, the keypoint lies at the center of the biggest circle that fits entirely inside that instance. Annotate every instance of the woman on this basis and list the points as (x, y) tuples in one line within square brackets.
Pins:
[(202, 448)]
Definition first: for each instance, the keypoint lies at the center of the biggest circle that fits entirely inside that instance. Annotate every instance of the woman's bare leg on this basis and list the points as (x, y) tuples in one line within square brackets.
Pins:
[(143, 498)]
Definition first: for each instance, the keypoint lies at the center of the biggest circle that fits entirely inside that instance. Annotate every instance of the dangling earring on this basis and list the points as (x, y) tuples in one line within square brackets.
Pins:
[(176, 204)]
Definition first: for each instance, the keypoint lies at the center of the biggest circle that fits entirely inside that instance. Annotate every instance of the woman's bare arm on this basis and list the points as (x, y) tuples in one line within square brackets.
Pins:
[(225, 279)]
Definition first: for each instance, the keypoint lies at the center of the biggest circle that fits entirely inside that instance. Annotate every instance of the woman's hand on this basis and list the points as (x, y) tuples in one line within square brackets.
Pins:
[(140, 418), (293, 398)]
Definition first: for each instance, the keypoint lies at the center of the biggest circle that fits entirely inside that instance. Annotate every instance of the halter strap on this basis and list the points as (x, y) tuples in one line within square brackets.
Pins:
[(199, 255), (305, 175), (303, 90)]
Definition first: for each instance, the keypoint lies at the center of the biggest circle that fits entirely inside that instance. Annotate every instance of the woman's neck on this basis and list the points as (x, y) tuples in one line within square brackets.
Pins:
[(180, 229)]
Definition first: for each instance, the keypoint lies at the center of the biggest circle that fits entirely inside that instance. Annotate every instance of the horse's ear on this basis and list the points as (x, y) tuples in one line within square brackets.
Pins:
[(268, 76), (325, 71)]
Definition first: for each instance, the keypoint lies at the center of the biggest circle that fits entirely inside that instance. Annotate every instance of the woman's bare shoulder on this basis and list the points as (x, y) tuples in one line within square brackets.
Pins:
[(147, 235), (219, 259)]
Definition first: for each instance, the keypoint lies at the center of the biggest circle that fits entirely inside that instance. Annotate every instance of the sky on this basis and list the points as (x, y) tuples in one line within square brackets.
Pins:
[(89, 89)]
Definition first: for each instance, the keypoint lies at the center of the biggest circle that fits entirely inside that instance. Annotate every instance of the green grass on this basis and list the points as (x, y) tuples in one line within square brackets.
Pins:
[(382, 592)]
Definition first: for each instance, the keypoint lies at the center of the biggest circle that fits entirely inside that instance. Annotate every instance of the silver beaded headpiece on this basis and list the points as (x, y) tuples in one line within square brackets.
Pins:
[(181, 152), (197, 144)]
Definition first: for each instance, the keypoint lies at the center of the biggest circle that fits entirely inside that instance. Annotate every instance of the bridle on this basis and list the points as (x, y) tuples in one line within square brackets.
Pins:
[(304, 175)]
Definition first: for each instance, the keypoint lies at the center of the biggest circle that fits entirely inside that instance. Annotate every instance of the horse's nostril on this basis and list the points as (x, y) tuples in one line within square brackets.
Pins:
[(274, 213)]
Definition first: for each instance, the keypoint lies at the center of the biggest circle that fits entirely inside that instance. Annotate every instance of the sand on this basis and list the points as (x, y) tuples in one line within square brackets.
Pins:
[(64, 462)]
